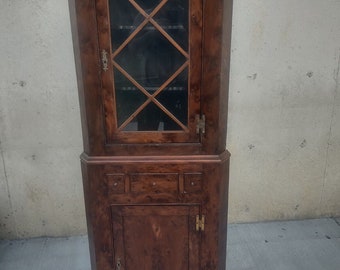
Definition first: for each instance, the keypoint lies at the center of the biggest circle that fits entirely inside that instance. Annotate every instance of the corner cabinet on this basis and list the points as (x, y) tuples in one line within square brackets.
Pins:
[(153, 90)]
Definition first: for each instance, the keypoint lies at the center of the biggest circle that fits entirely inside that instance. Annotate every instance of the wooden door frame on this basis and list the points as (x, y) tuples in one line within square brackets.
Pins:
[(113, 135)]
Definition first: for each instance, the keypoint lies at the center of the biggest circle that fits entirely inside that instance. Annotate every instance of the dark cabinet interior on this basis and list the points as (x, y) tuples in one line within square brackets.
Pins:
[(153, 90), (150, 56)]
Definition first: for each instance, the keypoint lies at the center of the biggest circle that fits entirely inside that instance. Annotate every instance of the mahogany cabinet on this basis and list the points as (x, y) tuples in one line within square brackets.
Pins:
[(153, 89)]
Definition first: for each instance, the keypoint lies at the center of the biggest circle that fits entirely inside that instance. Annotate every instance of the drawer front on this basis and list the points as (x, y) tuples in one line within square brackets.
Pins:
[(154, 183), (115, 183), (192, 182)]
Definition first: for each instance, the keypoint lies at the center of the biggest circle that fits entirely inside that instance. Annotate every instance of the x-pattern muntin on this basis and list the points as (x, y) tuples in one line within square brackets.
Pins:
[(151, 97)]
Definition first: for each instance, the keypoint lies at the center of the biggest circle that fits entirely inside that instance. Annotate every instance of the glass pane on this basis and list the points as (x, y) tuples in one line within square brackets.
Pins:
[(152, 118), (150, 58), (128, 97), (173, 18), (175, 98), (123, 19)]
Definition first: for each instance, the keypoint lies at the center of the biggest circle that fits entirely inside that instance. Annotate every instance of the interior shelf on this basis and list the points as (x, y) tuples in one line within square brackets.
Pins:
[(165, 27)]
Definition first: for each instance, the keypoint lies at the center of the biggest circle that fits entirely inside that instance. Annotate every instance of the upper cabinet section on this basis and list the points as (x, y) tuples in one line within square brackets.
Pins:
[(150, 69), (153, 75)]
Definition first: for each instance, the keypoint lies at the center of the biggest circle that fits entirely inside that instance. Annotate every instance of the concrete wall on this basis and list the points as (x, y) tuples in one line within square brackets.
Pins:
[(40, 180), (284, 121)]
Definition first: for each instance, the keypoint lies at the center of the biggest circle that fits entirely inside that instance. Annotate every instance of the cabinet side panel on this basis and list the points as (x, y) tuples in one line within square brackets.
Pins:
[(215, 210), (223, 214), (225, 71), (99, 218), (88, 215), (213, 94), (84, 32), (76, 49)]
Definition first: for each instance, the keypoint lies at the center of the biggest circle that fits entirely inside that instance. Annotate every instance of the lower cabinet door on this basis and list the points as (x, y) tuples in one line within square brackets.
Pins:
[(162, 237)]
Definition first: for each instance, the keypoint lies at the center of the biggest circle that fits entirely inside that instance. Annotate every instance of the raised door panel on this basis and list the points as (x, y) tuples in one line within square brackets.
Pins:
[(156, 237), (151, 69)]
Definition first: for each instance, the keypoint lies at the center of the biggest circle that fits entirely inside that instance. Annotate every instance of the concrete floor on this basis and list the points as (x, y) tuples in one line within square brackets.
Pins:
[(290, 245)]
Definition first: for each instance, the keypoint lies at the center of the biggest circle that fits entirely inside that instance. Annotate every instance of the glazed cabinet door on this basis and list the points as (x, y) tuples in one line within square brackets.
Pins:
[(155, 237), (150, 54)]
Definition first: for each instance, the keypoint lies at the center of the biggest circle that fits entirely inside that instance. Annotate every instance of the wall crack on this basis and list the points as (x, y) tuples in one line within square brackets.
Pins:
[(336, 221), (336, 88), (7, 187)]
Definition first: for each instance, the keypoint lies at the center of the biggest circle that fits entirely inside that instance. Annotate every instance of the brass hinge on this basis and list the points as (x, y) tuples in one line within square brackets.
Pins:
[(200, 223), (105, 60), (200, 124)]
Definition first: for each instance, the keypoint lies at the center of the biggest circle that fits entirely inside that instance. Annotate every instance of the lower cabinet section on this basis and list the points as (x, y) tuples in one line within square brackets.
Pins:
[(157, 215), (162, 237)]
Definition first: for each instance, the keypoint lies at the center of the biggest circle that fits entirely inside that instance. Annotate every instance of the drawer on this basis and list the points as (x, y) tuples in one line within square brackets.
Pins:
[(115, 183), (154, 183), (192, 182)]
